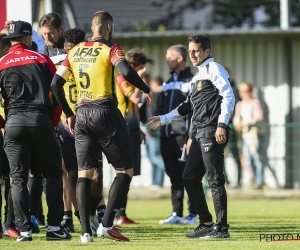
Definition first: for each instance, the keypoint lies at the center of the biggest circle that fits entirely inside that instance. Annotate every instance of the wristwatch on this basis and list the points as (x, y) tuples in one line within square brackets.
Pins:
[(222, 125)]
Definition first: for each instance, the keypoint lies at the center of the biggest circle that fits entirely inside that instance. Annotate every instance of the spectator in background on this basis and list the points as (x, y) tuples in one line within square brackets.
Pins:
[(249, 114), (153, 136), (234, 138)]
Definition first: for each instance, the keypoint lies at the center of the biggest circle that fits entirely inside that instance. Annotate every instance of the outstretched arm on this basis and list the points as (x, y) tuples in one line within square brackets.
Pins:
[(176, 114), (117, 58)]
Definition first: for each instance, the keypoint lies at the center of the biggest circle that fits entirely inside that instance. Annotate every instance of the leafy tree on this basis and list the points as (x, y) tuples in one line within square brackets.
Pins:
[(227, 13), (234, 13), (174, 10)]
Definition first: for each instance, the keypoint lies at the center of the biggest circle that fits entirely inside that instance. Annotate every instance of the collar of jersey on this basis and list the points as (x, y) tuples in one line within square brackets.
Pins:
[(205, 62)]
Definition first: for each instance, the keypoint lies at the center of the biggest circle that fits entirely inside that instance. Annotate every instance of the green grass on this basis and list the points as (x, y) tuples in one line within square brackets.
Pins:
[(247, 218)]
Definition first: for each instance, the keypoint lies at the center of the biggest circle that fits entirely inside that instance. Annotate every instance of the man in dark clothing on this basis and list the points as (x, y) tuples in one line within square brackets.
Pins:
[(175, 135), (31, 114), (212, 102), (52, 30)]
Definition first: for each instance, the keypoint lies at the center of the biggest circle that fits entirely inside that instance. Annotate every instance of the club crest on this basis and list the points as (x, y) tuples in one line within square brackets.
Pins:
[(199, 85)]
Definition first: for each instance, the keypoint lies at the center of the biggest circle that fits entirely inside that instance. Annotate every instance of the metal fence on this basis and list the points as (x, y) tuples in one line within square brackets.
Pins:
[(281, 158)]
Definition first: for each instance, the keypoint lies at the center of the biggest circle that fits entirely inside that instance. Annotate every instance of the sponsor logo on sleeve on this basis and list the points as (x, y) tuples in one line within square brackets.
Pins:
[(120, 53)]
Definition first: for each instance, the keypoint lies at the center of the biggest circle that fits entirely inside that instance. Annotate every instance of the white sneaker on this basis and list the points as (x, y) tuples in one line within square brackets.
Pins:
[(173, 219), (86, 238), (112, 233), (25, 236), (94, 224)]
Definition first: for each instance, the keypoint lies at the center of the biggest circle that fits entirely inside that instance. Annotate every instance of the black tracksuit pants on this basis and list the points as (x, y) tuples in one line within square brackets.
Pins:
[(206, 156), (171, 150), (19, 142)]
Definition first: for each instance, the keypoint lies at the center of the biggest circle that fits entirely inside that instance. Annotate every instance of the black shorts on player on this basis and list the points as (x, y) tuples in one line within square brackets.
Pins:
[(67, 147), (107, 131)]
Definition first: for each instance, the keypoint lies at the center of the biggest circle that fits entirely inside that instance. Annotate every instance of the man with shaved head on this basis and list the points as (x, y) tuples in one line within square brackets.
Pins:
[(99, 123)]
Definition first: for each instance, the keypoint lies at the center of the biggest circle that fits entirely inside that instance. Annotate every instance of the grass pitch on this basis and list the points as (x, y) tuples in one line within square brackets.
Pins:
[(250, 221)]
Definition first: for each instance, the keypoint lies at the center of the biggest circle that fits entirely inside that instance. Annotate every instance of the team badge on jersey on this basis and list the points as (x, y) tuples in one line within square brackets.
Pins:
[(199, 85)]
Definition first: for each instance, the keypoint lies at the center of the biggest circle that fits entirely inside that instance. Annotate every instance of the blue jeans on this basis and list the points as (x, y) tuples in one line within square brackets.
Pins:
[(254, 159), (158, 167)]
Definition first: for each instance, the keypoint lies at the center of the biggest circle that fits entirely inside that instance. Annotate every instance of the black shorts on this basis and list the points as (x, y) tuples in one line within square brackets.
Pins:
[(4, 166), (103, 129), (68, 151), (67, 147)]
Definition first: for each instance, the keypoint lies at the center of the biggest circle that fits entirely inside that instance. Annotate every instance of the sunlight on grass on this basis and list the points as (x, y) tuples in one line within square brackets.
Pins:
[(247, 218)]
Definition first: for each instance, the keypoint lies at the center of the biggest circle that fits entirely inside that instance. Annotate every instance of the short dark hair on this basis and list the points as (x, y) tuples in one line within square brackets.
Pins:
[(51, 19), (74, 35), (136, 57), (100, 18), (4, 42), (203, 40)]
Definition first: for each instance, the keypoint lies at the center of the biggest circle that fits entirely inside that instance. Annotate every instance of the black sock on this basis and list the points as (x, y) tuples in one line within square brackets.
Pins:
[(117, 193), (40, 214), (83, 197), (68, 214), (94, 203), (68, 217), (122, 210), (100, 212)]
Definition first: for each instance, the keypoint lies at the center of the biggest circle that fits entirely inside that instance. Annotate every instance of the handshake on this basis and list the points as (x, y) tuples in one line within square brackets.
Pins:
[(153, 123)]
